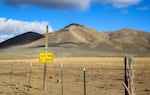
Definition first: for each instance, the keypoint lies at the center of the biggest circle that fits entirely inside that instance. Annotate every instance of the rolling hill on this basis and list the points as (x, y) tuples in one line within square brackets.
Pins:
[(76, 35), (21, 39)]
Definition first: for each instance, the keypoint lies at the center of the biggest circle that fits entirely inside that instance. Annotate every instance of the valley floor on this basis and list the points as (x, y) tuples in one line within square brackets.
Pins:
[(104, 76)]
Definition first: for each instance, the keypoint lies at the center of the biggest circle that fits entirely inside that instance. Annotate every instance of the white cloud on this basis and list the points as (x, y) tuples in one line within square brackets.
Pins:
[(9, 27), (120, 3), (144, 8), (125, 11), (54, 4), (5, 37)]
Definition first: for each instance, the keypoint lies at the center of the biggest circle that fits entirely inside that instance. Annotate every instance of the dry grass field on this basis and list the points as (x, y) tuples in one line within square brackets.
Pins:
[(104, 76)]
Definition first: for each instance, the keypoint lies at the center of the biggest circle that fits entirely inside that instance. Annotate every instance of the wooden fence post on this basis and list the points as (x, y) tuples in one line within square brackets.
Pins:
[(45, 64), (125, 74), (30, 74), (44, 77), (62, 81), (131, 76), (128, 76)]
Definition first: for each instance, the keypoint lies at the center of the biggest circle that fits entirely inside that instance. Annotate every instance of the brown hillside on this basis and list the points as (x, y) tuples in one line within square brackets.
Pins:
[(130, 39), (76, 35), (73, 35)]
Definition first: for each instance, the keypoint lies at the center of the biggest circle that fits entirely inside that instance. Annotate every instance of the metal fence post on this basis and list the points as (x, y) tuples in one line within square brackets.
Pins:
[(84, 77)]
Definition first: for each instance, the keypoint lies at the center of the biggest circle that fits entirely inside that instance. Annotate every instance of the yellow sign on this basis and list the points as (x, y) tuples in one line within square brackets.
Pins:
[(46, 57)]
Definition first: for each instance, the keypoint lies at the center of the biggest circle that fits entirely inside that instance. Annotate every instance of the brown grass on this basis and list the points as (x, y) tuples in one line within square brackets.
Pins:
[(104, 76)]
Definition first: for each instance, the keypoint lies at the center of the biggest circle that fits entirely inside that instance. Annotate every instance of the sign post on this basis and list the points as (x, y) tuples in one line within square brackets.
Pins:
[(45, 64), (45, 57)]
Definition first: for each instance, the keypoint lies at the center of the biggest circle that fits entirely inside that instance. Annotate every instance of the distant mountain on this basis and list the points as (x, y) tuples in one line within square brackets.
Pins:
[(22, 39), (73, 35), (76, 35), (130, 39)]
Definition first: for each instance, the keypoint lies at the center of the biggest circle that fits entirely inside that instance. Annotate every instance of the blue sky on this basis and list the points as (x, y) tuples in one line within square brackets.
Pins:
[(19, 16)]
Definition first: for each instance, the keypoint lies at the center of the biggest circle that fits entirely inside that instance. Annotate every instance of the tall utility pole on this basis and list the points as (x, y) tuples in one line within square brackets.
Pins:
[(45, 64)]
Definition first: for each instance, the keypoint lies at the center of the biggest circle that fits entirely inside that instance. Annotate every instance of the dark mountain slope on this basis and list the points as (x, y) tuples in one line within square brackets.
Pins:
[(22, 39)]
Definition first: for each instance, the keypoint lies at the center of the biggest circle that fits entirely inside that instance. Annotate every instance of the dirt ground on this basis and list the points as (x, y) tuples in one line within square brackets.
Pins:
[(104, 76)]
